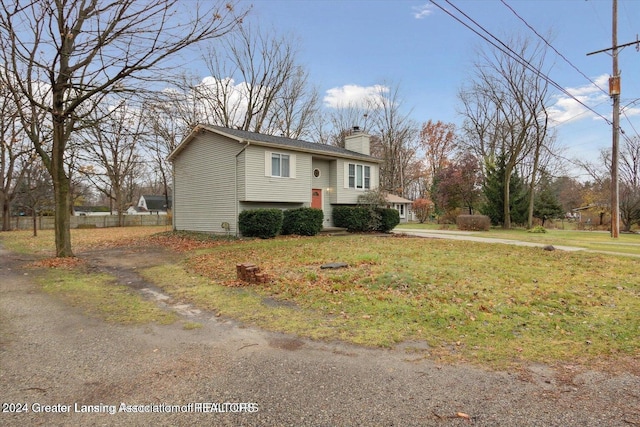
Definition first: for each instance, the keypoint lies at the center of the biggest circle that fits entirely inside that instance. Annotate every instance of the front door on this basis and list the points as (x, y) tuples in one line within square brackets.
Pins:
[(316, 198)]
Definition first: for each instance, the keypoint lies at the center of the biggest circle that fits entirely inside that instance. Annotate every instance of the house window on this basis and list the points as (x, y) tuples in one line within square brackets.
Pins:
[(280, 165), (352, 175), (367, 177), (359, 176)]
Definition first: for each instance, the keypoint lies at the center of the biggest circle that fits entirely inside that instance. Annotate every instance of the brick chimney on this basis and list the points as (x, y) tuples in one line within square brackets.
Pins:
[(357, 141)]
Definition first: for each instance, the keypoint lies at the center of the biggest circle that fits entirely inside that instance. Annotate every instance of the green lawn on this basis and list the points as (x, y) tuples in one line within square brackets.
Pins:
[(490, 304), (593, 240)]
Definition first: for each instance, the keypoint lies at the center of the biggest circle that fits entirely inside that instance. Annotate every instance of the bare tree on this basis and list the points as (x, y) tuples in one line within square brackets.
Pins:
[(165, 134), (256, 84), (504, 108), (170, 115), (15, 153), (64, 57), (112, 144), (438, 140), (35, 192), (343, 119), (295, 108), (395, 141), (630, 182)]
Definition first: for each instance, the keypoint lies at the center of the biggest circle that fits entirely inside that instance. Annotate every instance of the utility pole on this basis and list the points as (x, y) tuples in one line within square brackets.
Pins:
[(614, 91)]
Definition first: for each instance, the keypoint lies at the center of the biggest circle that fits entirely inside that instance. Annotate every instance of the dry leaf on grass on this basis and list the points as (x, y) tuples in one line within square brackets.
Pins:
[(68, 263)]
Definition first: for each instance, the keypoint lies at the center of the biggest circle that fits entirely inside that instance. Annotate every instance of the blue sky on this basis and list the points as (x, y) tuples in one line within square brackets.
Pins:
[(351, 45)]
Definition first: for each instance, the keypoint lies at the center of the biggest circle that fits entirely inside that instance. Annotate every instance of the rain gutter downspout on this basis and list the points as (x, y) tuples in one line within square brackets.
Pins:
[(237, 202)]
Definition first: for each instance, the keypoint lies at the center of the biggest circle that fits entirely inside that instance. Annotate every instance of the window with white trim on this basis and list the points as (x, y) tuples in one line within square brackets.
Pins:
[(280, 165), (352, 175), (359, 176)]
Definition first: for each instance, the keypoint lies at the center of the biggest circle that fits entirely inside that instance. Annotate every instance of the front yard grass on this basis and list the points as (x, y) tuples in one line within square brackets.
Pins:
[(593, 240), (490, 304), (95, 294), (494, 304)]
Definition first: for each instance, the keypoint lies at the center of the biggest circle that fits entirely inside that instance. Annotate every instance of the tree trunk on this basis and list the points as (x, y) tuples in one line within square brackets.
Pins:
[(61, 191), (34, 216), (62, 216), (6, 214), (118, 196), (506, 196), (532, 187)]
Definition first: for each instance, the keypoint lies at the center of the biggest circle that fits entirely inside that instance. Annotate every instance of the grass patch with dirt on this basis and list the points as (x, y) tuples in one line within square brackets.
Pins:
[(98, 296), (94, 293), (43, 245), (487, 303)]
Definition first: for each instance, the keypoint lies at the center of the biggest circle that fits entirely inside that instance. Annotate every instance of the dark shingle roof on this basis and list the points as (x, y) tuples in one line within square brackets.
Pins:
[(294, 144), (156, 203)]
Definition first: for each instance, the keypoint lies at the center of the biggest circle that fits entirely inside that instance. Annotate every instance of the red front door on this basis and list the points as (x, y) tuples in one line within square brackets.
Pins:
[(316, 198)]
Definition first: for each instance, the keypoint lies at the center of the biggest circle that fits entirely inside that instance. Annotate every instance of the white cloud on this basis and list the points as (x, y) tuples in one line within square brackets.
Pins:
[(423, 11), (234, 95), (567, 109), (355, 96)]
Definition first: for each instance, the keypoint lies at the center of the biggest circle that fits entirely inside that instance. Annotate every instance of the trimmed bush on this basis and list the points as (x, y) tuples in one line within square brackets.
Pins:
[(473, 222), (262, 223), (360, 219), (389, 218), (302, 221), (354, 219)]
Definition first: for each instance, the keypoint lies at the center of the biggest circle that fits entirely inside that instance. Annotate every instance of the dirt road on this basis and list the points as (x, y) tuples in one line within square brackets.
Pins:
[(56, 364)]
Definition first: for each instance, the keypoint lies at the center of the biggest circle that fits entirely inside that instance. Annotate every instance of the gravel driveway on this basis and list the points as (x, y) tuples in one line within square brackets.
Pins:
[(56, 363)]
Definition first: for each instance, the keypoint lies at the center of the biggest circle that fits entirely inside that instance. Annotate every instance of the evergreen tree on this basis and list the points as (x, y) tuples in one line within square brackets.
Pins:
[(546, 204), (494, 194)]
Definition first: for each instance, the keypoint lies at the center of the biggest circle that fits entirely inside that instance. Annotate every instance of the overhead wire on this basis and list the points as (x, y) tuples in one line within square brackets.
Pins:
[(565, 59), (514, 55), (552, 47)]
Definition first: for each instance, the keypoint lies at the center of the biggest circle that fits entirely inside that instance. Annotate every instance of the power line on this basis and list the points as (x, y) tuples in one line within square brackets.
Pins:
[(630, 124), (509, 52), (554, 49)]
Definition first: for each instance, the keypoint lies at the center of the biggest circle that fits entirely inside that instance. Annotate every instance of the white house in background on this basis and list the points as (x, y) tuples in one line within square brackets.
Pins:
[(150, 205), (402, 205), (219, 172)]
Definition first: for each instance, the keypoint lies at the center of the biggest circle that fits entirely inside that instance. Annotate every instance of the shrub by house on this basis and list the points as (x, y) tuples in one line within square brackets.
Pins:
[(302, 221), (262, 223)]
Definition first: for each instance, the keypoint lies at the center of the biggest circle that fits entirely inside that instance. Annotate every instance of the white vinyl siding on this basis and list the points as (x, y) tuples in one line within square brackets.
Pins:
[(346, 192), (265, 187), (205, 184)]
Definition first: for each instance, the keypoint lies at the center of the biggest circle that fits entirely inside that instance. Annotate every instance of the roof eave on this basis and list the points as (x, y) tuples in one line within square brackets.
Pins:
[(355, 156), (199, 128)]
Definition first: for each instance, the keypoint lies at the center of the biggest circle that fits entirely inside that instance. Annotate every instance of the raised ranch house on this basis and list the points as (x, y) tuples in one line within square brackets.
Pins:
[(219, 172)]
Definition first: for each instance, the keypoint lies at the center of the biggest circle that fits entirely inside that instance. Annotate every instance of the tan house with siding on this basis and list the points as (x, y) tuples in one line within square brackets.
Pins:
[(219, 172), (402, 205)]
